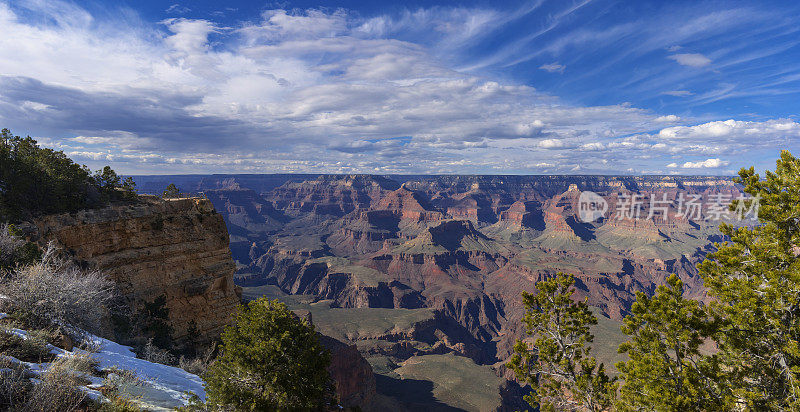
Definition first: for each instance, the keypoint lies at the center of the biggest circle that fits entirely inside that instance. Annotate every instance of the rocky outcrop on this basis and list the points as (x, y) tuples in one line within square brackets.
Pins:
[(177, 248), (352, 374)]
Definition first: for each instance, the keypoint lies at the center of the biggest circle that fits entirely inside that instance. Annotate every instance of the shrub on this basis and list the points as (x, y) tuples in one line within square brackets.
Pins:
[(120, 388), (57, 389), (9, 244), (34, 348), (152, 353), (15, 384), (270, 360), (198, 365), (56, 291), (171, 191), (156, 322)]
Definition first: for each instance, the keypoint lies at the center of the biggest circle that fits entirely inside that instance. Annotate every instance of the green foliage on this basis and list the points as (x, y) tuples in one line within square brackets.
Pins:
[(666, 371), (113, 187), (171, 191), (36, 180), (156, 322), (107, 179), (558, 364), (270, 360), (192, 342), (755, 282)]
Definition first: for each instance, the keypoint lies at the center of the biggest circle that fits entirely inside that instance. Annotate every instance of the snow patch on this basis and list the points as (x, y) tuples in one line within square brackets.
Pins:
[(163, 387)]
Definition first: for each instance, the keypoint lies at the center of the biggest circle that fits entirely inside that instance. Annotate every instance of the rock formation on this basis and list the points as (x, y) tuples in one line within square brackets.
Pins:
[(352, 374), (177, 248)]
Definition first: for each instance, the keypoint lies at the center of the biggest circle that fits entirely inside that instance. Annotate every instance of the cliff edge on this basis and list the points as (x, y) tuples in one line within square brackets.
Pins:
[(178, 248)]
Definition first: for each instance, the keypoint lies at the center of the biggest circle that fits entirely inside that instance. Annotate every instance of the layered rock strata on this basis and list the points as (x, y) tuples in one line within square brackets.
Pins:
[(177, 248)]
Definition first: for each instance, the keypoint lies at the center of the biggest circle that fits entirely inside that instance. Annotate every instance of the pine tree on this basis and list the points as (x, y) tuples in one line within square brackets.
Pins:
[(755, 282), (171, 191), (666, 370), (558, 364), (270, 360)]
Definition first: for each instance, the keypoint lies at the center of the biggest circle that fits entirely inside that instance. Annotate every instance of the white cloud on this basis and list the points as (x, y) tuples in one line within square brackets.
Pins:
[(672, 165), (670, 118), (592, 146), (708, 163), (691, 59), (551, 144), (745, 131), (553, 68), (178, 9)]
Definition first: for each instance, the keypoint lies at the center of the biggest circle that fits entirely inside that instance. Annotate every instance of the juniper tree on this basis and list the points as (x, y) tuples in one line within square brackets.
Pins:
[(754, 280), (557, 363), (270, 360), (666, 370), (171, 191)]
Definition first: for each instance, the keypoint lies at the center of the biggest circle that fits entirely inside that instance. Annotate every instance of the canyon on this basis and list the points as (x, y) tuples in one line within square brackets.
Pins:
[(424, 274)]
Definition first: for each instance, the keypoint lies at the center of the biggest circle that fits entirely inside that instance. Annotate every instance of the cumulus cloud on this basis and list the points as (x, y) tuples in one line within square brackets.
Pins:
[(745, 132), (553, 68), (670, 118), (708, 163), (551, 144), (691, 59)]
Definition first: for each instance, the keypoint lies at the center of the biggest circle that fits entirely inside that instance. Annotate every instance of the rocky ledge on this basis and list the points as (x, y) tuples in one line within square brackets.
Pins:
[(178, 248)]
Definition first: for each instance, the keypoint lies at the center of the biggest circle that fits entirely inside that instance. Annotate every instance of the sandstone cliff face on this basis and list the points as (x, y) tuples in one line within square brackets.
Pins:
[(176, 248)]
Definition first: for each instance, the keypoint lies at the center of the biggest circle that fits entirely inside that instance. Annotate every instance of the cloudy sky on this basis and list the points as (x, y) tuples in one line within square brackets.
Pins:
[(548, 86)]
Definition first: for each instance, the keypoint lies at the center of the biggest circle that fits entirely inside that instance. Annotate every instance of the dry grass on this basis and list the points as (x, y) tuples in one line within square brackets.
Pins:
[(15, 384), (57, 389), (120, 387)]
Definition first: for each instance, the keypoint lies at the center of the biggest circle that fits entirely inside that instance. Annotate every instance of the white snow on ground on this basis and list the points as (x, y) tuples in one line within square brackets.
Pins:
[(163, 387)]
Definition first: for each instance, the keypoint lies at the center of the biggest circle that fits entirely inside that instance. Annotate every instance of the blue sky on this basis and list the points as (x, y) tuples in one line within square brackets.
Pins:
[(635, 87)]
